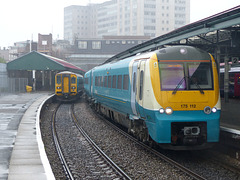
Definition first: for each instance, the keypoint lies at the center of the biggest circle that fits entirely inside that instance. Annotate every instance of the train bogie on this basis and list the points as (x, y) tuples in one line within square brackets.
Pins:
[(170, 96)]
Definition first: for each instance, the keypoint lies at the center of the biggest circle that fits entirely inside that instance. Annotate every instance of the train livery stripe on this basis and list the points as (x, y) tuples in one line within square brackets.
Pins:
[(110, 98), (184, 60)]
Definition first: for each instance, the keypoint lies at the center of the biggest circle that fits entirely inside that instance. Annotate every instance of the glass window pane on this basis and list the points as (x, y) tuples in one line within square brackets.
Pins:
[(96, 81), (200, 75), (134, 82), (125, 81), (119, 83), (171, 76), (141, 85), (105, 81), (73, 80), (109, 81), (114, 84), (58, 79)]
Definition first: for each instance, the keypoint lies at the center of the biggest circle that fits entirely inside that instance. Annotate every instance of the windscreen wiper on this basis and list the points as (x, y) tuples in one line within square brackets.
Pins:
[(178, 85), (197, 85)]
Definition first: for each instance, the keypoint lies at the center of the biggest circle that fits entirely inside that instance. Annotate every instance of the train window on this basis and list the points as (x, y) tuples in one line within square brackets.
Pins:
[(171, 75), (101, 80), (119, 82), (86, 80), (105, 81), (200, 76), (125, 81), (96, 81), (73, 80), (59, 79), (134, 82), (114, 82), (109, 81), (141, 86)]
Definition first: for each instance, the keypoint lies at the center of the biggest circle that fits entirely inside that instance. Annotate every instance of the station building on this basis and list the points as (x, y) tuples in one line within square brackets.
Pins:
[(88, 53), (39, 70)]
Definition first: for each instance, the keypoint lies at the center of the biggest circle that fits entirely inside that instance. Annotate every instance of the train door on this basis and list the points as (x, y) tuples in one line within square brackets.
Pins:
[(133, 87), (237, 84), (91, 83), (140, 87), (66, 84)]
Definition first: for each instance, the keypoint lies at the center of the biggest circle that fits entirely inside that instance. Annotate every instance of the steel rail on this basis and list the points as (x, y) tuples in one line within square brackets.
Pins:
[(94, 145), (158, 154), (58, 148)]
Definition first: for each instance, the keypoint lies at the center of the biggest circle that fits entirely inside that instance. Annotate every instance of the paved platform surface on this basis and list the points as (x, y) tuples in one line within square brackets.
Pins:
[(230, 115), (20, 145)]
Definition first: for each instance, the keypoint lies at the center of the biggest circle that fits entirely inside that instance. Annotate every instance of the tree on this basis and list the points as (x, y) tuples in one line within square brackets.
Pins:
[(2, 60)]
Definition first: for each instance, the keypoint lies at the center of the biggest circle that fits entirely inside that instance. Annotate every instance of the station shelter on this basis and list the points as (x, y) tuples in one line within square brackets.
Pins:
[(39, 69)]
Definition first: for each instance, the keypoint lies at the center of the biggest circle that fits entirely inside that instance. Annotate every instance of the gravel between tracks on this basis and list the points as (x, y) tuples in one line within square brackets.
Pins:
[(135, 161), (46, 131)]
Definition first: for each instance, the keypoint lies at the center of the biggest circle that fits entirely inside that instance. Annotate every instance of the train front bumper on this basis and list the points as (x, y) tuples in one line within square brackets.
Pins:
[(161, 126)]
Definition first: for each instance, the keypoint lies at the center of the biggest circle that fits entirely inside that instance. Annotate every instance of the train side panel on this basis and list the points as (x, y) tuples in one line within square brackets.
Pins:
[(111, 87)]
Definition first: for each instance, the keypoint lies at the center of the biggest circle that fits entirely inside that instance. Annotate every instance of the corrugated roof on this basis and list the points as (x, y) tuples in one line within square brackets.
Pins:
[(38, 61)]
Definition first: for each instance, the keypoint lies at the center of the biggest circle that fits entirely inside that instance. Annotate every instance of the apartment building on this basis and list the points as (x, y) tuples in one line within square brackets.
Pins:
[(125, 17)]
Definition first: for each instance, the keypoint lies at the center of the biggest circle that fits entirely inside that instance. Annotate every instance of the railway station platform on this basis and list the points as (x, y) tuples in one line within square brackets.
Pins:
[(230, 114), (22, 154)]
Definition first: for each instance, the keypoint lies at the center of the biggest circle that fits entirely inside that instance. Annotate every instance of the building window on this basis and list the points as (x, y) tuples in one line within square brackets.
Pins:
[(96, 45), (82, 44)]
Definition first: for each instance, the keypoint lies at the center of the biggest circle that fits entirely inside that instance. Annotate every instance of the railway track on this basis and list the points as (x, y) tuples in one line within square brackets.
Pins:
[(128, 155), (175, 164), (98, 164), (58, 149)]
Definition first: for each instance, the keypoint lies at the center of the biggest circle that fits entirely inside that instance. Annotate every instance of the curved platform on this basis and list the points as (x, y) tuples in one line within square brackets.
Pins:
[(22, 154)]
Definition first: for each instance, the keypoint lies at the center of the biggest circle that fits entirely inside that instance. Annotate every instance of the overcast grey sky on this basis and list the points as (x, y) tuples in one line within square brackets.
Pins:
[(21, 20)]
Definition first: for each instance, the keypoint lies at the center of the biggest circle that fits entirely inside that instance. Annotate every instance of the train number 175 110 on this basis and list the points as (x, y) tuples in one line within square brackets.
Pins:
[(188, 106)]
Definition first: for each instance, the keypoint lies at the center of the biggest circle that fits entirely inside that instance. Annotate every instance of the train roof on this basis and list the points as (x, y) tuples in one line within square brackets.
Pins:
[(69, 72)]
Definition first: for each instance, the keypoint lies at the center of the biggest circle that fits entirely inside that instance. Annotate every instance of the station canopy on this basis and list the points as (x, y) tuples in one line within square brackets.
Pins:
[(42, 62), (217, 33)]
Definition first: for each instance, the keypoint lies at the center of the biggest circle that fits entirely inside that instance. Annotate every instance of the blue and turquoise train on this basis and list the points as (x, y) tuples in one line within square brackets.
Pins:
[(168, 96)]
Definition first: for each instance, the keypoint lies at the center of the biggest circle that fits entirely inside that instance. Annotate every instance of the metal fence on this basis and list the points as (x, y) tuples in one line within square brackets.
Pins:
[(11, 85)]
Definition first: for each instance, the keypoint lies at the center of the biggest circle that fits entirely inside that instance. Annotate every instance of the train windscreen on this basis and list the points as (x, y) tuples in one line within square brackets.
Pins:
[(186, 76)]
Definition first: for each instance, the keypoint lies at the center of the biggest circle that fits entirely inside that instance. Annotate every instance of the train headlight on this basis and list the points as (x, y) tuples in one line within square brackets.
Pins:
[(161, 110), (58, 87), (168, 110), (214, 110), (73, 87), (207, 110)]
